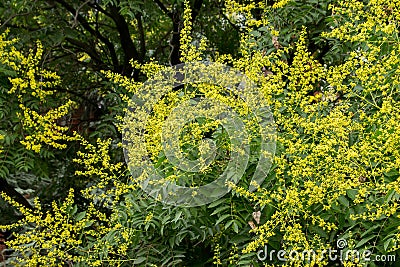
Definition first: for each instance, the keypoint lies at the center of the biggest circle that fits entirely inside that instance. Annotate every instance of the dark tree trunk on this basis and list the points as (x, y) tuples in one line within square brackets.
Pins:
[(10, 191)]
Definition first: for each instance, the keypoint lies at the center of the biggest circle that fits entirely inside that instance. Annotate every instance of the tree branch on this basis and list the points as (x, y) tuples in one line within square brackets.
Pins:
[(175, 44), (85, 24), (77, 12), (196, 9), (12, 17), (163, 8), (142, 39), (84, 47), (11, 192), (128, 47)]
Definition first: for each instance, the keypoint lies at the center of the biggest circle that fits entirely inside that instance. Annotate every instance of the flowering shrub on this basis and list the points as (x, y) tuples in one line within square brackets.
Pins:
[(334, 174)]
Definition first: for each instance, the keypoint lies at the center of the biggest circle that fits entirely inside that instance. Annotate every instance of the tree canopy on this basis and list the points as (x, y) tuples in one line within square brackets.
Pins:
[(92, 91)]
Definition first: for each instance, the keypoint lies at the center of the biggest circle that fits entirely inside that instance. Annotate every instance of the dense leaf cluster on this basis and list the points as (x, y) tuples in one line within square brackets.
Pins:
[(328, 70)]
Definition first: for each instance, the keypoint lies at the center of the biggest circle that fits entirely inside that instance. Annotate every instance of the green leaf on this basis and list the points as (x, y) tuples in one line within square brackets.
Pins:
[(235, 227), (74, 210), (370, 229), (177, 216), (220, 209), (352, 193), (389, 243), (255, 33), (223, 217), (139, 260), (80, 216), (88, 224), (216, 203), (365, 240), (343, 200)]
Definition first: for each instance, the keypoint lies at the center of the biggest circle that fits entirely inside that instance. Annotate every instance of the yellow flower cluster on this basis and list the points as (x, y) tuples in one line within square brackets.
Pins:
[(336, 150), (190, 52), (97, 164), (32, 81), (52, 234), (44, 128), (329, 150), (365, 20)]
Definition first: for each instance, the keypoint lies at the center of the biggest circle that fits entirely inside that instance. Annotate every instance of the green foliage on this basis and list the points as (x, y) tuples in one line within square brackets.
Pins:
[(328, 70)]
